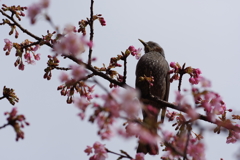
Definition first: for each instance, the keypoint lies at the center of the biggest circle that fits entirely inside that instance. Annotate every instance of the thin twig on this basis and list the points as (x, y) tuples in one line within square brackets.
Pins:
[(5, 125), (91, 32), (23, 29), (180, 78), (98, 73), (121, 155), (62, 68), (125, 70)]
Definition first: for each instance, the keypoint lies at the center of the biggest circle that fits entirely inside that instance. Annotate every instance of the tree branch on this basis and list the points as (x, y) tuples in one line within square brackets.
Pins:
[(5, 125), (91, 32), (23, 29), (98, 73), (200, 116)]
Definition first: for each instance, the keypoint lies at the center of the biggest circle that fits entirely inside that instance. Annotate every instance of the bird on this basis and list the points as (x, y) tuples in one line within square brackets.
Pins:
[(152, 64)]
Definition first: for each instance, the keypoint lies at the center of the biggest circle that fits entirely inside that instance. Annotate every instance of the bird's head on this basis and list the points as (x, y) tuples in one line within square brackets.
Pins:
[(152, 46)]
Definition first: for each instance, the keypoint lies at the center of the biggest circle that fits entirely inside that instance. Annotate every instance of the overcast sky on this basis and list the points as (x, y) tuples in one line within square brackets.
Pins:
[(205, 34)]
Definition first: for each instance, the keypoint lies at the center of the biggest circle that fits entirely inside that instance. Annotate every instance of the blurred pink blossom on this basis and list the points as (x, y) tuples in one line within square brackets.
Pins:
[(21, 66), (135, 52), (8, 46), (88, 150), (139, 156), (64, 77), (71, 44), (36, 9), (233, 135), (37, 57), (78, 71)]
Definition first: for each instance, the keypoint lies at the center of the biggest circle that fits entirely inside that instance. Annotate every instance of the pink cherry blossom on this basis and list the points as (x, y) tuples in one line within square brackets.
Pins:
[(36, 48), (28, 58), (69, 29), (82, 103), (139, 156), (173, 65), (21, 66), (100, 151), (138, 55), (129, 104), (36, 8), (233, 136), (37, 57), (106, 135), (132, 129), (8, 46), (33, 11), (64, 77), (132, 50), (179, 98), (45, 3), (102, 21), (88, 150), (71, 44), (205, 82), (135, 52), (171, 115), (78, 71), (81, 115)]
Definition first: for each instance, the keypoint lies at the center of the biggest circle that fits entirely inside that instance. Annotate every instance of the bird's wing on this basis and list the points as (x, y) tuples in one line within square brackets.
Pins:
[(167, 86)]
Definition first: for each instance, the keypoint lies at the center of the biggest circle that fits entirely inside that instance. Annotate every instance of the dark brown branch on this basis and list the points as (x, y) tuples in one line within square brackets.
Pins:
[(125, 70), (98, 73), (180, 78), (62, 68), (200, 116), (5, 125), (120, 155), (91, 32), (23, 29)]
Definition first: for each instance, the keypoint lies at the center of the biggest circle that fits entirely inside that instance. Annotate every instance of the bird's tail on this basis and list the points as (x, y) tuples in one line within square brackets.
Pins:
[(145, 148), (150, 123), (163, 112)]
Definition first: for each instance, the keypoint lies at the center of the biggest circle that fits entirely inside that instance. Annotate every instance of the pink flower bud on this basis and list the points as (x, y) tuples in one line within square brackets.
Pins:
[(173, 65)]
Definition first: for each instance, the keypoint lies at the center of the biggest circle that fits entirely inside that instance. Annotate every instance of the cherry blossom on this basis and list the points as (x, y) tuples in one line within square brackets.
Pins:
[(8, 46)]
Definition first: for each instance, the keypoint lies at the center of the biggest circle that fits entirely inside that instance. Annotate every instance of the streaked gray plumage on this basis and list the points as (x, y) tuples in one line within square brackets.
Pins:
[(152, 63)]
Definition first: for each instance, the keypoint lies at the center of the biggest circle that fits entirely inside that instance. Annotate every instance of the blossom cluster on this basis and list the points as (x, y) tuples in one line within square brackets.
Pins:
[(17, 122), (75, 83), (16, 10), (10, 95), (180, 71), (35, 9), (71, 44), (100, 153), (84, 23), (233, 136), (135, 52), (114, 62), (26, 50), (213, 105), (116, 104), (176, 145)]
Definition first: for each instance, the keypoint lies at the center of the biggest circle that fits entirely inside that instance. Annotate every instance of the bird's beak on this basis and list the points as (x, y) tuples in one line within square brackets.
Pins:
[(144, 43)]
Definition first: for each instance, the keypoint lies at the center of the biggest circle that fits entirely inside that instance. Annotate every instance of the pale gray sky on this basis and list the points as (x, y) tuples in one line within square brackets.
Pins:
[(205, 34)]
